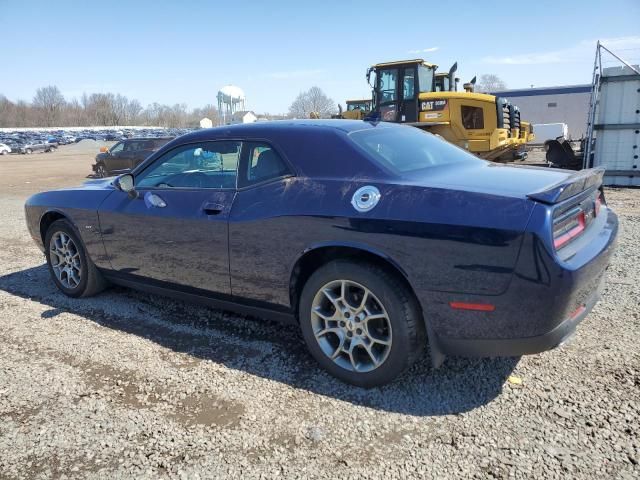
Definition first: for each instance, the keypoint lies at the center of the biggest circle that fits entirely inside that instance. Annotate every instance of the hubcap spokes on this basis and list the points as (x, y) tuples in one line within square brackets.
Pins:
[(65, 260), (351, 326)]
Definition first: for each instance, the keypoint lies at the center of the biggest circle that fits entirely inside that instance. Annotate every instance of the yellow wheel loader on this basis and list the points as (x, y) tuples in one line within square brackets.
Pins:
[(356, 109), (410, 91)]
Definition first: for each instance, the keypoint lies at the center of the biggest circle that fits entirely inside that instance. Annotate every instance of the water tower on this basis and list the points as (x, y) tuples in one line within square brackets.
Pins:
[(230, 100)]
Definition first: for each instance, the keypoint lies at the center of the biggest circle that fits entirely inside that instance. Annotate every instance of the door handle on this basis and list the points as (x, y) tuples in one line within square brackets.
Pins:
[(212, 208)]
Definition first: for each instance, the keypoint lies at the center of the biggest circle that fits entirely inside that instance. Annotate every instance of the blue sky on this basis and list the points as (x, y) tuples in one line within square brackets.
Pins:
[(184, 51)]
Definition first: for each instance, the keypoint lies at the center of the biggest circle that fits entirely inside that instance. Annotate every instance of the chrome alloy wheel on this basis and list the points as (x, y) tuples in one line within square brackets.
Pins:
[(65, 260), (351, 326)]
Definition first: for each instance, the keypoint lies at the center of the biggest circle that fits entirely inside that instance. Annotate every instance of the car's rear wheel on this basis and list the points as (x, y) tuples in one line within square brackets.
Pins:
[(71, 268), (360, 323), (29, 151), (101, 170)]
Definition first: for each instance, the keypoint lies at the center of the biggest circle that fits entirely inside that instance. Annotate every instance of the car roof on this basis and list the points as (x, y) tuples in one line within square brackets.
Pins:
[(133, 139), (280, 127), (313, 147)]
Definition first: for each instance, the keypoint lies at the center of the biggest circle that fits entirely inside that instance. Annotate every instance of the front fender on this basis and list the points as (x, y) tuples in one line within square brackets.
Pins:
[(80, 207)]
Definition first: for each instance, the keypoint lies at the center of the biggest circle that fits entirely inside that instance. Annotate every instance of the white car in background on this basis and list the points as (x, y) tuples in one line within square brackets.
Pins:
[(4, 149)]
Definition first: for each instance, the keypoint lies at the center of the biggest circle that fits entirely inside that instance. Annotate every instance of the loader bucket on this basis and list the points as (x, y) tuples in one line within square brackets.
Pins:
[(561, 154)]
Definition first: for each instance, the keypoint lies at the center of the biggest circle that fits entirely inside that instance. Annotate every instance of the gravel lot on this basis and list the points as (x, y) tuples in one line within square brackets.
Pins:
[(133, 385)]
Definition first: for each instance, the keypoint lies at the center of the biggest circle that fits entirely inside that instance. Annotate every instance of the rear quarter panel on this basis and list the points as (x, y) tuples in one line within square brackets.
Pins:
[(442, 240)]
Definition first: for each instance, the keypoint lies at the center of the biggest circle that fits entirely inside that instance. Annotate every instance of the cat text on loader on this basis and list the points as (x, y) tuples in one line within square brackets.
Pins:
[(406, 92)]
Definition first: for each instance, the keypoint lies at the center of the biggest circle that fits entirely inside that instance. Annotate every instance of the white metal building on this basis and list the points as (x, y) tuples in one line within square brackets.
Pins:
[(243, 116), (568, 104)]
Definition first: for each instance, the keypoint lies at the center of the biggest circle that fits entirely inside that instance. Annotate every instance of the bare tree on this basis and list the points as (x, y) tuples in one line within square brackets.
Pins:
[(49, 108), (490, 82), (7, 111), (208, 111), (313, 101), (133, 111), (50, 101)]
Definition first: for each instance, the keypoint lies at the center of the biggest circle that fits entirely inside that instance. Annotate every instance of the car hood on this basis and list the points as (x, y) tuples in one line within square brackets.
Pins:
[(105, 184), (491, 178)]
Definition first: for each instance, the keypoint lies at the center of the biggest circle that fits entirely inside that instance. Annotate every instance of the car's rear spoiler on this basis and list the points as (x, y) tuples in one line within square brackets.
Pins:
[(570, 186)]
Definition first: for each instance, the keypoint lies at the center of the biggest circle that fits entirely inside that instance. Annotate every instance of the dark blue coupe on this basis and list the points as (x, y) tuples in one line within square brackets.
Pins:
[(377, 239)]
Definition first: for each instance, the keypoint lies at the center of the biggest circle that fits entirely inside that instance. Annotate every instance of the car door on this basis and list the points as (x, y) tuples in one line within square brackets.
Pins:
[(387, 92), (409, 95), (176, 228), (143, 149), (116, 162), (258, 234)]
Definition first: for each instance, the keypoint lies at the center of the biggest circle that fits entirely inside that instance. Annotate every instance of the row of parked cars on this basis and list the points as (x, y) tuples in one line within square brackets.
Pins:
[(26, 142)]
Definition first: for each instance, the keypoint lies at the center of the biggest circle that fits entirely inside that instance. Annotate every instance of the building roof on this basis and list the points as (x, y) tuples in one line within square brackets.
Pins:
[(532, 92), (242, 113)]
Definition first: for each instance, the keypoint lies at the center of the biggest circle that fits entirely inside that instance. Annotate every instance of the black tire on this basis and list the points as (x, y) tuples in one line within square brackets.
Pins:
[(101, 170), (29, 151), (91, 280), (408, 338)]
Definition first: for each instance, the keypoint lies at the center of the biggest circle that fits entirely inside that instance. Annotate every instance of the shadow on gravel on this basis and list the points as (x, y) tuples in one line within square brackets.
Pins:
[(266, 349)]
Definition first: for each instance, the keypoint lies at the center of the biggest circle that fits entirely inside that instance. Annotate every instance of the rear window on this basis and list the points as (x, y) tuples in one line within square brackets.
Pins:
[(472, 118), (409, 149)]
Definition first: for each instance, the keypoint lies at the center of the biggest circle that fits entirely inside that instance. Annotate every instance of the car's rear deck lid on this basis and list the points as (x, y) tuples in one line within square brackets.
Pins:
[(570, 186)]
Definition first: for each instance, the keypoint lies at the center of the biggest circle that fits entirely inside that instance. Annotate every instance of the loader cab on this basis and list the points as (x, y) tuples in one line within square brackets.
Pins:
[(361, 105), (447, 82), (397, 86), (356, 109), (443, 83)]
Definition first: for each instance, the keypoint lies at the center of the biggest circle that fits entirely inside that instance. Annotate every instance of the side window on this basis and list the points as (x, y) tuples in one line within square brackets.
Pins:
[(198, 165), (132, 146), (472, 118), (116, 148), (263, 163)]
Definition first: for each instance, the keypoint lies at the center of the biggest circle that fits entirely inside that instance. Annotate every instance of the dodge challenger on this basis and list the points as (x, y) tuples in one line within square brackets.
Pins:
[(378, 240)]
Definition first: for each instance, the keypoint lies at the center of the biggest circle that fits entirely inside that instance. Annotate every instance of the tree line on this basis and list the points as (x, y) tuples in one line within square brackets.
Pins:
[(49, 108)]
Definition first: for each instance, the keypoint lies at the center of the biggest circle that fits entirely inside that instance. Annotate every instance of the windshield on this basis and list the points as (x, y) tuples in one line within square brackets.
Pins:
[(409, 149)]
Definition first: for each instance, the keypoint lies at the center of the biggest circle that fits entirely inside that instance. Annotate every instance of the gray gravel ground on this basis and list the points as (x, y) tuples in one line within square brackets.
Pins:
[(133, 385)]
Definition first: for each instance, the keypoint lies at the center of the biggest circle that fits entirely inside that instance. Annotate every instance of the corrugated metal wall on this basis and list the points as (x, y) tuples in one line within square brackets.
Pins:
[(617, 126)]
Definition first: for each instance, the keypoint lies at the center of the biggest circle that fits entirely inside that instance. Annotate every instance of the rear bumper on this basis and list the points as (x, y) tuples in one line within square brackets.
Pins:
[(541, 308), (515, 347)]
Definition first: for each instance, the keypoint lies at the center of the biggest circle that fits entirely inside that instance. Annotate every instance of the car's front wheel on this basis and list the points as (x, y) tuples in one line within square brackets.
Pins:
[(101, 170), (71, 268), (360, 323)]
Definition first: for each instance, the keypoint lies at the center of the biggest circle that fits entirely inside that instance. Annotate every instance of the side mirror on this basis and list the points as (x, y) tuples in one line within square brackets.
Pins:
[(124, 183), (104, 149)]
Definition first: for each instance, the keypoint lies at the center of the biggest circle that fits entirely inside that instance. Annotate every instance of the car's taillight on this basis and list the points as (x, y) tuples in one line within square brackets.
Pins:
[(597, 205), (568, 226)]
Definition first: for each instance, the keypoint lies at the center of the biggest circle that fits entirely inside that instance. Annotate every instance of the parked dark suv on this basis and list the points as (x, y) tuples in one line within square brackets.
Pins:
[(126, 155)]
